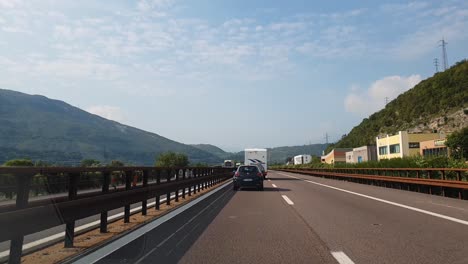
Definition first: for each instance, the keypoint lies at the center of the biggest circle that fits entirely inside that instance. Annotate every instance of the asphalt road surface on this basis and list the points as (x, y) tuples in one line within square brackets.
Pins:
[(305, 219)]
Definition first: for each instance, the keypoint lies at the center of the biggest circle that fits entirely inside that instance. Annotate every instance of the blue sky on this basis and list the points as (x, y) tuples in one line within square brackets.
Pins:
[(231, 73)]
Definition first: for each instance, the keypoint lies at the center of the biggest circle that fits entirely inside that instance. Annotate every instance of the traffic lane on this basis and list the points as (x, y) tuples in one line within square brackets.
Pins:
[(168, 242), (258, 227), (369, 231), (443, 205)]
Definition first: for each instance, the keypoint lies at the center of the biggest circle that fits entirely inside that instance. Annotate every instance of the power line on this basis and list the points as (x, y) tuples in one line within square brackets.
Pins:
[(444, 52), (436, 64)]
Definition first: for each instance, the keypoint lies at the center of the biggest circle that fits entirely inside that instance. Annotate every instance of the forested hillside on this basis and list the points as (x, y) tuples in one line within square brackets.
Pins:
[(442, 98), (39, 128)]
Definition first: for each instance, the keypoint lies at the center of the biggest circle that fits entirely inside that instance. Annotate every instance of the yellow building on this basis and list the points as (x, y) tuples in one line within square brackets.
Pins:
[(402, 144)]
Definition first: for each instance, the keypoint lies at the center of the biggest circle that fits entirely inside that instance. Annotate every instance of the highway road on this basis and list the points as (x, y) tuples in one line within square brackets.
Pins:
[(305, 219)]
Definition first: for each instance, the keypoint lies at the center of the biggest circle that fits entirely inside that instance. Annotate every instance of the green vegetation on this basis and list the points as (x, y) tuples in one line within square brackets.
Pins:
[(19, 162), (90, 163), (458, 143), (172, 159), (434, 97), (406, 162), (116, 163), (275, 155), (55, 132)]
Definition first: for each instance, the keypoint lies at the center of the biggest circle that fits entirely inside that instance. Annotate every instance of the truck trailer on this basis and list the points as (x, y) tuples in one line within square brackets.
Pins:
[(256, 156), (302, 159)]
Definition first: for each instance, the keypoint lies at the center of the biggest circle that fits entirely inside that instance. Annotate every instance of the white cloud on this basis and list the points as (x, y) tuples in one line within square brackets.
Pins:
[(429, 25), (108, 112), (373, 99), (411, 6), (9, 3)]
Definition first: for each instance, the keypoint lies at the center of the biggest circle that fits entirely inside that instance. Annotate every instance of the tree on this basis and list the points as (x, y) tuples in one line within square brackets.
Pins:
[(42, 163), (172, 159), (458, 143), (90, 163), (19, 162), (116, 163)]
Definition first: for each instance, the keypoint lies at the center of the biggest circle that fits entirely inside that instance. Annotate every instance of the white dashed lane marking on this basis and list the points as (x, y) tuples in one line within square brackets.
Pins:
[(287, 200)]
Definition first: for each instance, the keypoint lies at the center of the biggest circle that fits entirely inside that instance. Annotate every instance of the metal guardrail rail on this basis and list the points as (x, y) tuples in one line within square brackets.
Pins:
[(443, 181), (23, 218)]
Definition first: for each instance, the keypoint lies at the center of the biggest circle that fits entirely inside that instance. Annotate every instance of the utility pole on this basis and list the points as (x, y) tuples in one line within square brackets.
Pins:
[(443, 44), (326, 138), (386, 100), (436, 64)]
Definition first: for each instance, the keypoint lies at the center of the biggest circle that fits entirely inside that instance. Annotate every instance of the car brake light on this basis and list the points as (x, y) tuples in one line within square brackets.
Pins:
[(236, 174), (259, 174)]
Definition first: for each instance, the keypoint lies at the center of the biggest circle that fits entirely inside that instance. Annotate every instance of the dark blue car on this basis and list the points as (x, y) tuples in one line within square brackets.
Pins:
[(248, 176)]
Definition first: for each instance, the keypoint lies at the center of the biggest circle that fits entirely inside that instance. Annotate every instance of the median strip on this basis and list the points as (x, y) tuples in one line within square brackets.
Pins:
[(93, 238)]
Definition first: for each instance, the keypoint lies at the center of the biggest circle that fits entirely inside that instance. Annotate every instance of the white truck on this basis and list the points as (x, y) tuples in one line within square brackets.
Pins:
[(229, 164), (256, 156), (302, 159)]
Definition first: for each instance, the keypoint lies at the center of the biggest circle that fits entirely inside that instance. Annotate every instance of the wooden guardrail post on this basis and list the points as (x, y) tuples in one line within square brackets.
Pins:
[(144, 203), (202, 182), (73, 179), (184, 171), (22, 197), (128, 186), (105, 189), (176, 189), (168, 180), (197, 184), (158, 194)]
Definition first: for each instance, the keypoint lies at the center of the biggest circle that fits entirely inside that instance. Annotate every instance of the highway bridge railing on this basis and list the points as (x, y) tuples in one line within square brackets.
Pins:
[(89, 191), (449, 182)]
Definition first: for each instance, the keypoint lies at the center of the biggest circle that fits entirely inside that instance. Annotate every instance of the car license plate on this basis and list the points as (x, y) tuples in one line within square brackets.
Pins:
[(247, 179)]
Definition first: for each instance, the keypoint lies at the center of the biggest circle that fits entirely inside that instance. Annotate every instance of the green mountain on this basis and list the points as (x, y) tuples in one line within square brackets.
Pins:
[(275, 155), (435, 104), (213, 150), (40, 128), (279, 154)]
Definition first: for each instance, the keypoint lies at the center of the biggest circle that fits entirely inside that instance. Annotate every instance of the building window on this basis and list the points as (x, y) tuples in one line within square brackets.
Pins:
[(435, 152), (383, 150), (394, 148), (414, 145)]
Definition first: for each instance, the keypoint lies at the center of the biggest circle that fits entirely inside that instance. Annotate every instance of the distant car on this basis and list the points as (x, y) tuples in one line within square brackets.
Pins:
[(248, 176)]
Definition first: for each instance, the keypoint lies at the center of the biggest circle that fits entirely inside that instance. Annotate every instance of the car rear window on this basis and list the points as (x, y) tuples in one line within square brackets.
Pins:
[(250, 169)]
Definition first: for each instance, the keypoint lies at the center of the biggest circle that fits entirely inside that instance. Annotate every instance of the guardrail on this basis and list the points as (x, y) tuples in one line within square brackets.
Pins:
[(140, 184), (442, 181)]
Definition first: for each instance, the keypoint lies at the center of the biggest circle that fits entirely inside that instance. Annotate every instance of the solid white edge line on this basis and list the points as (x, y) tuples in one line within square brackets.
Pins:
[(274, 185), (286, 198), (341, 257), (77, 229), (449, 218), (179, 229), (120, 242)]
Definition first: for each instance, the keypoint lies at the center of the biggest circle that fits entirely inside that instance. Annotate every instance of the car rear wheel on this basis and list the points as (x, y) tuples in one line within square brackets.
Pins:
[(260, 188), (235, 188)]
